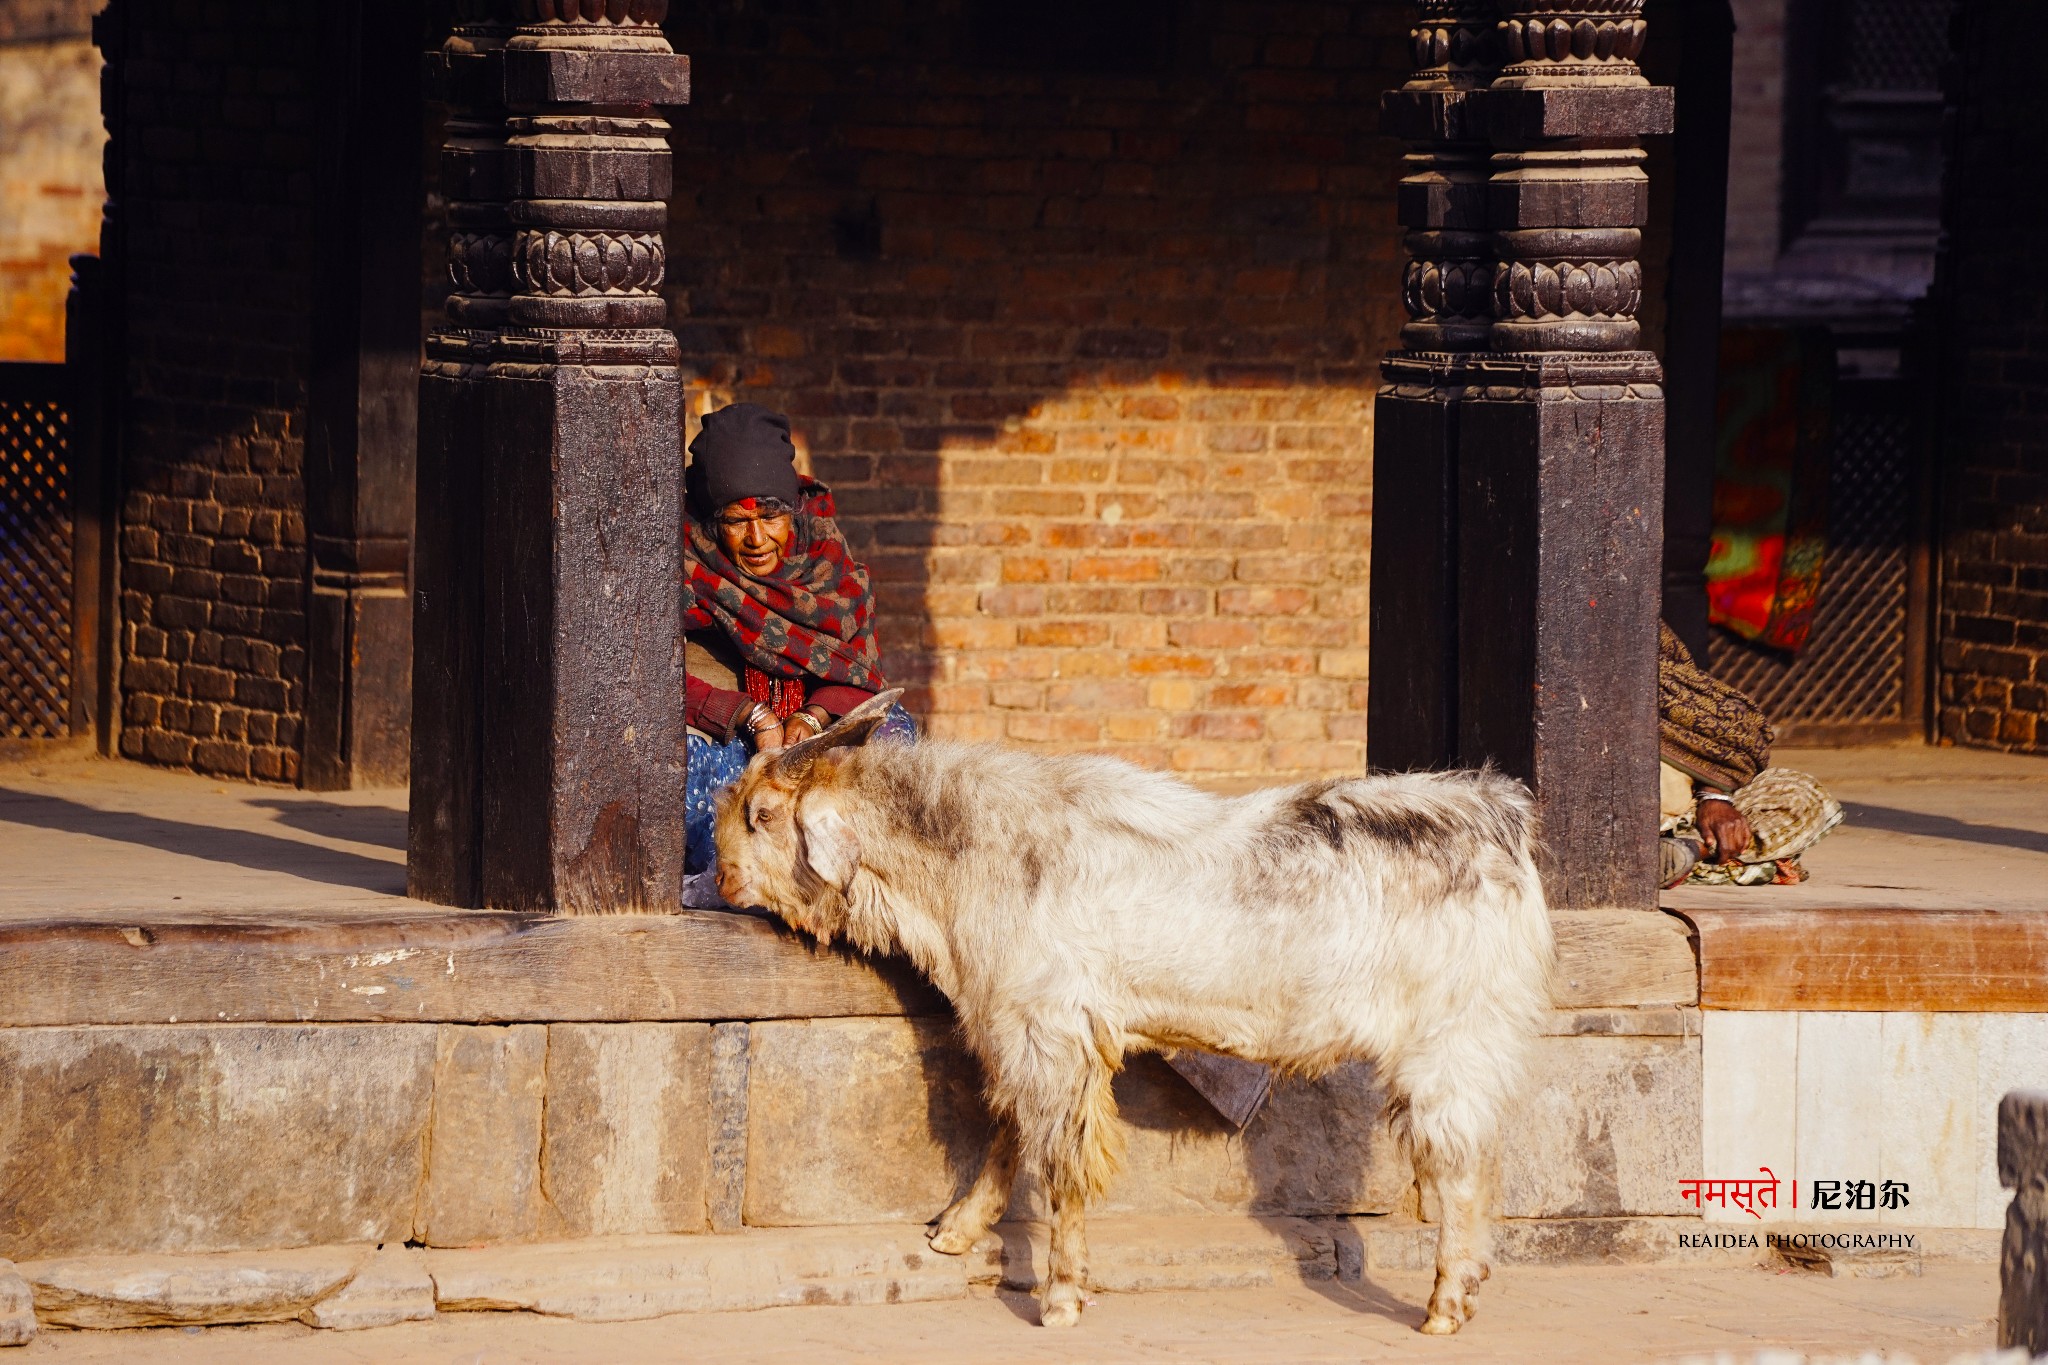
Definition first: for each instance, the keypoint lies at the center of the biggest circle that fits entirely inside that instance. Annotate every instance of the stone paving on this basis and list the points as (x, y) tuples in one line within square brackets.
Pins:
[(1932, 827), (1562, 1316)]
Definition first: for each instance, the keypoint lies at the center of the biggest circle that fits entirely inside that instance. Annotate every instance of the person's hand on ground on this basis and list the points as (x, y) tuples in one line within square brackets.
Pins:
[(1723, 830)]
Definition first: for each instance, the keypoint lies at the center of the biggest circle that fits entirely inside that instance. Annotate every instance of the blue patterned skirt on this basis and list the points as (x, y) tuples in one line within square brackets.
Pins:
[(715, 766)]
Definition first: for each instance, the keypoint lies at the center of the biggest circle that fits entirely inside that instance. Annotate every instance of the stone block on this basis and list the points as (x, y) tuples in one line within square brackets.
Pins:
[(1607, 1127), (210, 1137), (483, 1151), (1175, 1254), (1749, 1107), (2012, 1056), (180, 1290), (859, 1121), (727, 1199), (17, 1307), (1318, 1147), (626, 1136), (2023, 1139), (2023, 1258), (1325, 1147), (621, 1279), (1366, 1245), (1839, 1121), (872, 1120), (392, 1286), (1932, 1134)]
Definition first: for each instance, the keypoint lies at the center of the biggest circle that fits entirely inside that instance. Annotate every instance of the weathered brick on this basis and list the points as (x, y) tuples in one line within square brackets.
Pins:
[(1133, 352), (214, 525)]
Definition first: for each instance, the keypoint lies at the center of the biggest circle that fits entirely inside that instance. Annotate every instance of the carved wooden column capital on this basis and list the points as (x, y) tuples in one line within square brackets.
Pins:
[(590, 165), (1568, 197), (1594, 42), (1447, 283)]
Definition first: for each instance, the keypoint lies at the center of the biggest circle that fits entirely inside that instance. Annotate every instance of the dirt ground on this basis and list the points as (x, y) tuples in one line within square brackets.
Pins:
[(1565, 1316)]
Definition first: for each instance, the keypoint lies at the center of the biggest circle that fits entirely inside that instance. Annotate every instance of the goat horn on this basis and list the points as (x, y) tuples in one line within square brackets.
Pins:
[(794, 763)]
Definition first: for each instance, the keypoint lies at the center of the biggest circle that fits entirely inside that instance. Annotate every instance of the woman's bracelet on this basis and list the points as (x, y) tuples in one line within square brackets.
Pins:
[(1715, 796), (817, 726), (760, 717)]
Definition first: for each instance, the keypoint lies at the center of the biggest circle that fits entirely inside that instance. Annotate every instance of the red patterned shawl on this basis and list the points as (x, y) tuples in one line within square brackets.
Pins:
[(815, 615)]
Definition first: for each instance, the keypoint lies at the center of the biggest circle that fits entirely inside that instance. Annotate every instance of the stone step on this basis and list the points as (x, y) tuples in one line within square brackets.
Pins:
[(1137, 1255), (618, 1279), (624, 1278)]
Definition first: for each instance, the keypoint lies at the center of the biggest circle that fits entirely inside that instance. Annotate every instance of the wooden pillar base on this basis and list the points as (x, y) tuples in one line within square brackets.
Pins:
[(1412, 704), (444, 839), (1559, 515), (582, 796)]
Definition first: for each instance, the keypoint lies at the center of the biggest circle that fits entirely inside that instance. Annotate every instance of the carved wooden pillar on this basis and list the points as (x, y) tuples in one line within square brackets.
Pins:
[(1447, 288), (1561, 452), (444, 841), (560, 432)]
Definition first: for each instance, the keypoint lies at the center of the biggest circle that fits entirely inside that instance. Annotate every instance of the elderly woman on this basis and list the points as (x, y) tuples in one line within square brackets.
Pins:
[(779, 618)]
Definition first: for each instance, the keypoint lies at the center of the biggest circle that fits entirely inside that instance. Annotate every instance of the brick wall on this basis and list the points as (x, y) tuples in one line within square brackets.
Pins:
[(1994, 598), (1756, 136), (214, 191), (1088, 355), (50, 191)]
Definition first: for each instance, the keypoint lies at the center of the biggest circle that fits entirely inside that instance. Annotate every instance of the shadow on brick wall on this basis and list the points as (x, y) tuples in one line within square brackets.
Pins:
[(1083, 332)]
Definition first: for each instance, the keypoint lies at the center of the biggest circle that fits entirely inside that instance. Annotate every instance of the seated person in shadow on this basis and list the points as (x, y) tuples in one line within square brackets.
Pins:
[(778, 615), (1727, 816)]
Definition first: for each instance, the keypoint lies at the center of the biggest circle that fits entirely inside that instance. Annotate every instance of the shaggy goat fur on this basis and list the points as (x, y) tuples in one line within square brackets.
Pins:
[(1076, 908)]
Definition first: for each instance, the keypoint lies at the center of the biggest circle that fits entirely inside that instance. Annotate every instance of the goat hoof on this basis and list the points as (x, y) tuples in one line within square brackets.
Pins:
[(953, 1241), (1065, 1313), (1439, 1325)]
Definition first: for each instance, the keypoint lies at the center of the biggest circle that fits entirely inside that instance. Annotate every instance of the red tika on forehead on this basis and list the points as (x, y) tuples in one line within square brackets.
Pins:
[(746, 504)]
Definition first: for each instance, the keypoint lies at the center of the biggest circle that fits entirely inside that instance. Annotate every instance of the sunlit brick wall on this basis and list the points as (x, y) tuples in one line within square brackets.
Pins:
[(1088, 355)]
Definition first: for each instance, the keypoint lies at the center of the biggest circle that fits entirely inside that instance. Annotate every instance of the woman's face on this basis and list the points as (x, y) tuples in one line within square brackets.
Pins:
[(756, 542)]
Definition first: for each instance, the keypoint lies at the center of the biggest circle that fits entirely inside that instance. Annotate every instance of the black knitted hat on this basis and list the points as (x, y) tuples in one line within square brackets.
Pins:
[(743, 451)]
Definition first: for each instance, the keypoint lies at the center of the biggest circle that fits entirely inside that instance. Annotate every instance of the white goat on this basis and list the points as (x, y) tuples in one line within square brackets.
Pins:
[(1075, 908)]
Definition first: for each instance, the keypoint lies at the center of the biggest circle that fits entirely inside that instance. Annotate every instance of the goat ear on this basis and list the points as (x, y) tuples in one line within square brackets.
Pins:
[(830, 847), (794, 763)]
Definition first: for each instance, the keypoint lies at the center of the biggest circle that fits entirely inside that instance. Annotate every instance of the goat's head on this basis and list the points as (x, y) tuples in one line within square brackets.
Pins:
[(786, 838)]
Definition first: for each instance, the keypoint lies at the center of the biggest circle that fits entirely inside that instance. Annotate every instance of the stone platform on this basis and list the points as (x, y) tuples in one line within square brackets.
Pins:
[(1698, 1313), (218, 993)]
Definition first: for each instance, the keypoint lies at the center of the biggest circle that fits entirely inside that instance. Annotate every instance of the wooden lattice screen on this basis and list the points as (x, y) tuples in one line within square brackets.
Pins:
[(1854, 669), (35, 554)]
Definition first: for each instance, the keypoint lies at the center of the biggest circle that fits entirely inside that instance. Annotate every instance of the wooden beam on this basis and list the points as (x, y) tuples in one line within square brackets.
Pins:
[(439, 966), (1622, 957), (1931, 960), (494, 966)]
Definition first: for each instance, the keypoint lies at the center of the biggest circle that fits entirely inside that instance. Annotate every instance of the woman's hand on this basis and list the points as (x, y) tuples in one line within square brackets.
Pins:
[(764, 731), (1723, 830), (799, 728)]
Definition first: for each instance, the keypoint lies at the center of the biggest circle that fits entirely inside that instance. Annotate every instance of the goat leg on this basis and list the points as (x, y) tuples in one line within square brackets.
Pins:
[(1066, 1262), (1462, 1238), (970, 1216), (1068, 1129)]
